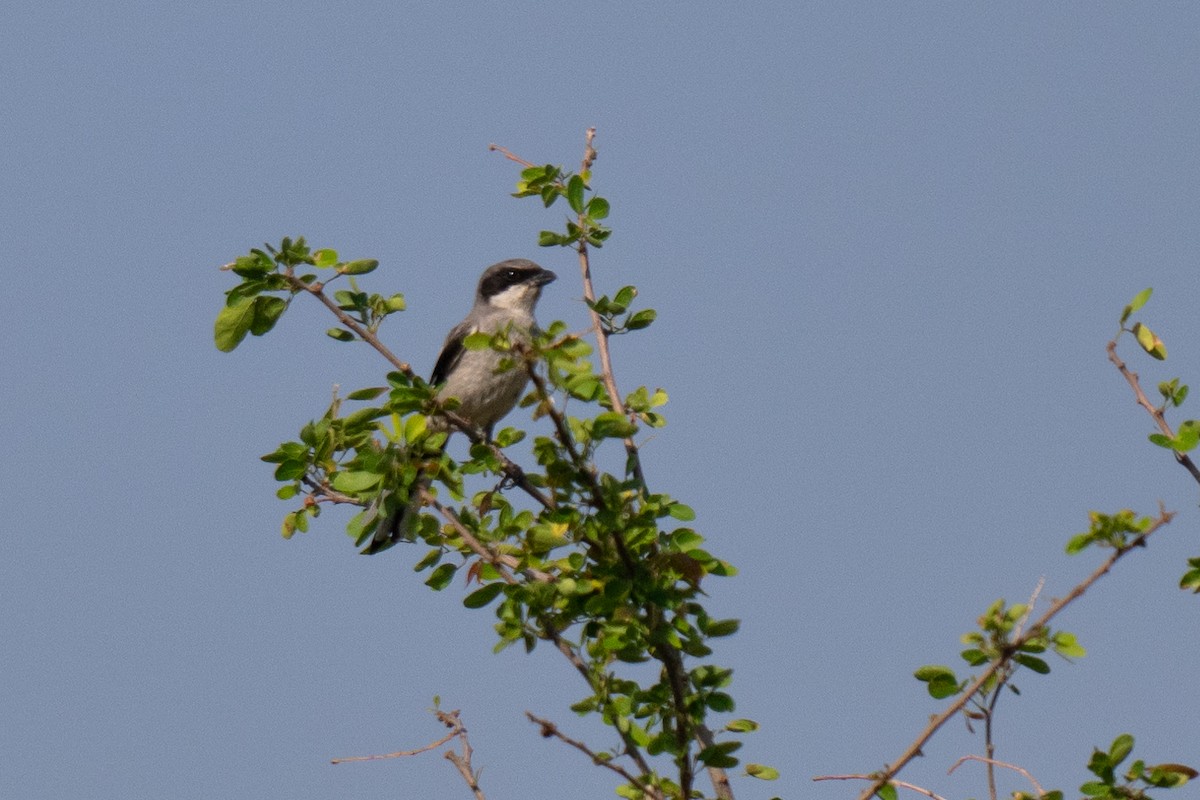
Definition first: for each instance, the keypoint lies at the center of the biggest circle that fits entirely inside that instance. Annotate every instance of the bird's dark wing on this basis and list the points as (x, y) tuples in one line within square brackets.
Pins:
[(451, 353)]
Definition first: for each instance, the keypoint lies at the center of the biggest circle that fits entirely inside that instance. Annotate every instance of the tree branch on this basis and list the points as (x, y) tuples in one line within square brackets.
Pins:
[(879, 779), (549, 729), (901, 784), (1154, 411), (1037, 788)]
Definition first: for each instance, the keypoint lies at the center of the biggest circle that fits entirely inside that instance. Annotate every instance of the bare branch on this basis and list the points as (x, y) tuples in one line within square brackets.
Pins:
[(901, 784), (992, 762), (495, 148), (462, 761), (549, 729)]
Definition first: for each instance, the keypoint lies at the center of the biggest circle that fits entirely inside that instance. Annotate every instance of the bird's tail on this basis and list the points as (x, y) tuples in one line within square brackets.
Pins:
[(400, 525)]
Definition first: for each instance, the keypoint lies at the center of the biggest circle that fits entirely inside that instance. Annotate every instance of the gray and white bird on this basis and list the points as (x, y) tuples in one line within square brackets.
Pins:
[(504, 301)]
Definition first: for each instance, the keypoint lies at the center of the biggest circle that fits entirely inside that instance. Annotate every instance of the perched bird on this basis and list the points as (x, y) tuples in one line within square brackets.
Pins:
[(504, 301)]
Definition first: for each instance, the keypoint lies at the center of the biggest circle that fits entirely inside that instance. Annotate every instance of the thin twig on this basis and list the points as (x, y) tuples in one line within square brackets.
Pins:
[(992, 762), (505, 152), (549, 729), (317, 290), (398, 753), (968, 693), (1154, 411), (901, 784)]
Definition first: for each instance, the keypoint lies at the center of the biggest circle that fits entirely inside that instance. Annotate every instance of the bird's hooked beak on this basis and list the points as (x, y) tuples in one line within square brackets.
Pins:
[(545, 277)]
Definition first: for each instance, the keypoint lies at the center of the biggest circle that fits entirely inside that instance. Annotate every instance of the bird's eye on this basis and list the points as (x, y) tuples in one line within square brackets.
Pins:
[(511, 274)]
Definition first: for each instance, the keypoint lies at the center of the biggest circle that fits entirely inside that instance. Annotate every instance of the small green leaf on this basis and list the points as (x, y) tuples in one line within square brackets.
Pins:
[(641, 319), (1150, 342), (360, 267), (575, 190), (741, 726), (597, 208), (440, 578), (1140, 299), (395, 303), (348, 481), (1032, 662), (886, 792), (718, 755), (340, 334), (325, 257), (484, 595), (762, 772), (366, 394), (720, 702), (612, 425), (681, 512), (1121, 747)]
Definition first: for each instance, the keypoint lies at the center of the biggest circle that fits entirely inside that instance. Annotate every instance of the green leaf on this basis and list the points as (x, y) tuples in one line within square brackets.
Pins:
[(1094, 789), (1120, 749), (484, 595), (719, 702), (366, 394), (886, 792), (233, 323), (1032, 662), (575, 188), (395, 303), (1139, 300), (1168, 776), (440, 578), (267, 310), (352, 482), (340, 334), (360, 267), (1067, 646), (741, 726), (325, 257), (681, 512), (612, 425), (597, 208), (1161, 440), (718, 755), (722, 627), (940, 681), (641, 319), (1150, 342), (762, 772)]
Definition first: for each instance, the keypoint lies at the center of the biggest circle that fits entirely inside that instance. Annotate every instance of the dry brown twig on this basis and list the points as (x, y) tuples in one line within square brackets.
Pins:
[(461, 760), (991, 762), (901, 784), (549, 729)]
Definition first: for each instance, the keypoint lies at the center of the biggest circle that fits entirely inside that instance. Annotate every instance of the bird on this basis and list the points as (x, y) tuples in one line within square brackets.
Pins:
[(505, 299)]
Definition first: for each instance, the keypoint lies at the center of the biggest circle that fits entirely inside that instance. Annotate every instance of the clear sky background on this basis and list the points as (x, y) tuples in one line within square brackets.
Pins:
[(887, 244)]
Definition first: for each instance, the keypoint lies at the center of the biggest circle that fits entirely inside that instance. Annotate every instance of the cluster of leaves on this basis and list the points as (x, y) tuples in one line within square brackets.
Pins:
[(1173, 393), (999, 637), (549, 183), (1133, 783), (592, 562), (269, 282)]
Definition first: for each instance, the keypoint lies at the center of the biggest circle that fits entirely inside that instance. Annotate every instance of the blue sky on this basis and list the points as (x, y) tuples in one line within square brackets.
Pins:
[(887, 245)]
